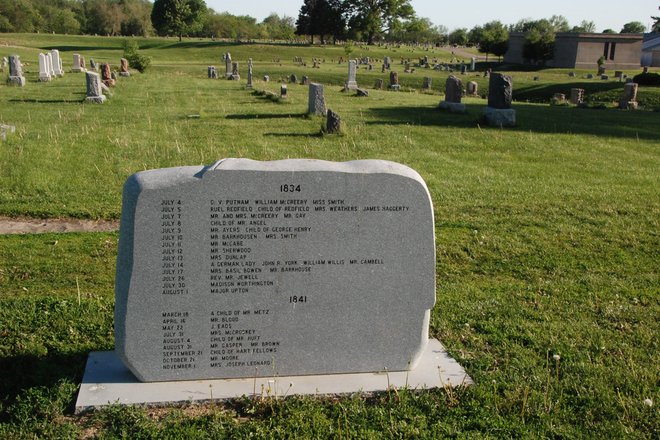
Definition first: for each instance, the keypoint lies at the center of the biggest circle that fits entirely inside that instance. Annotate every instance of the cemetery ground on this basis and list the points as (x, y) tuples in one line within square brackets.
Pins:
[(546, 239)]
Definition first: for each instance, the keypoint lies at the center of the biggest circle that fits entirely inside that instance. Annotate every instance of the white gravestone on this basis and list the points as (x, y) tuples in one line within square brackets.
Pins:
[(51, 67), (44, 71), (57, 63), (248, 269), (77, 66)]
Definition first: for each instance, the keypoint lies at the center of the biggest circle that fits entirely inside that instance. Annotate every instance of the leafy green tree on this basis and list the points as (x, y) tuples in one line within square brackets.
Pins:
[(278, 28), (178, 17), (321, 17), (634, 27), (609, 31), (226, 25), (416, 30), (559, 23), (458, 37), (584, 27), (539, 43), (370, 19), (494, 39), (656, 25)]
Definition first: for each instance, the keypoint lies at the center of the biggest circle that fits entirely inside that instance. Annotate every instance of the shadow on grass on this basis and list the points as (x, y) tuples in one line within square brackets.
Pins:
[(81, 48), (307, 135), (28, 371), (50, 101), (267, 116), (544, 92), (535, 118)]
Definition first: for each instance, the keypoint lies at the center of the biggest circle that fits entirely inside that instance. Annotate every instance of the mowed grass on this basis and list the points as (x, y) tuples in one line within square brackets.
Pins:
[(546, 234)]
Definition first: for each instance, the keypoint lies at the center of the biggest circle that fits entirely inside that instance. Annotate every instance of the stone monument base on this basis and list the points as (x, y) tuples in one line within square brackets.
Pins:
[(453, 107), (107, 381), (500, 117), (395, 87), (235, 77), (44, 78), (96, 99), (124, 73), (16, 81)]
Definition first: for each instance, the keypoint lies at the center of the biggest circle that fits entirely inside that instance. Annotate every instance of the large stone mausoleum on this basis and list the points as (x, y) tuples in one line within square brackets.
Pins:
[(582, 50)]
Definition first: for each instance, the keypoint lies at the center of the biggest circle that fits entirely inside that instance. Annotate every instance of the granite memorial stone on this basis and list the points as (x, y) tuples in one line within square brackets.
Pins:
[(316, 104), (351, 84), (283, 91), (94, 88), (472, 88), (629, 99), (576, 96), (249, 77), (106, 75), (500, 91), (248, 269), (16, 77), (394, 81), (333, 123), (211, 72), (228, 65), (453, 94)]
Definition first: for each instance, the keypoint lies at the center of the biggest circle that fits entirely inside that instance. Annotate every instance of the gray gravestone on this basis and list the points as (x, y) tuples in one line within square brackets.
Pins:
[(235, 75), (333, 123), (428, 82), (211, 72), (472, 88), (283, 91), (293, 79), (577, 96), (16, 77), (629, 99), (266, 78), (248, 269), (394, 80), (94, 88), (500, 92), (453, 89), (304, 81), (378, 84), (249, 77), (351, 84), (453, 94), (228, 66), (92, 64), (316, 104)]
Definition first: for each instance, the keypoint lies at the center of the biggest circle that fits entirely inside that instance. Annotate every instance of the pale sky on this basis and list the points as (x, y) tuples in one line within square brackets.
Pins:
[(456, 14)]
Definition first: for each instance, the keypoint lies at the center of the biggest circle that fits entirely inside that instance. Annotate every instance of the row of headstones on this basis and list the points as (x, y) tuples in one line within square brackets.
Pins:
[(628, 100)]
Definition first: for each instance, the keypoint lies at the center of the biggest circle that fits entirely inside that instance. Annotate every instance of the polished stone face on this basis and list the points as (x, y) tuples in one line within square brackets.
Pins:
[(292, 267)]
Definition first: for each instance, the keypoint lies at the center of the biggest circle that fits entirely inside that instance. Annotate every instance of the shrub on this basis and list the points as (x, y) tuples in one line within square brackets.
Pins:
[(647, 79), (135, 59)]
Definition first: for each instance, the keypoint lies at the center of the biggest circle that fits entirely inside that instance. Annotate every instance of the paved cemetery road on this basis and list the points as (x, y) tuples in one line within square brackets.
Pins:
[(25, 225)]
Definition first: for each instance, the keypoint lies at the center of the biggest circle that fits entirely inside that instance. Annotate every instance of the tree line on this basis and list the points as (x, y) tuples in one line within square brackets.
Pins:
[(359, 20), (135, 18)]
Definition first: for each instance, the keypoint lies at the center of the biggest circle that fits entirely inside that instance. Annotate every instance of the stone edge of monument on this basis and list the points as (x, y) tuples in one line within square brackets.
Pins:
[(453, 107), (107, 381)]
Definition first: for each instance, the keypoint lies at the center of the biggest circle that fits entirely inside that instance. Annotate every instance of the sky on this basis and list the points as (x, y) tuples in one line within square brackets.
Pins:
[(456, 14)]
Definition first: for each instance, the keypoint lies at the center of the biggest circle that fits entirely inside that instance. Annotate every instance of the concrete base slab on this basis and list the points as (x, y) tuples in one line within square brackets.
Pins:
[(96, 99), (107, 381), (16, 81), (500, 117), (453, 107)]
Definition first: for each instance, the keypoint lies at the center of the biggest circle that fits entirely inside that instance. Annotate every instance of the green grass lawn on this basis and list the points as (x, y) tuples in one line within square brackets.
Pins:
[(547, 240)]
